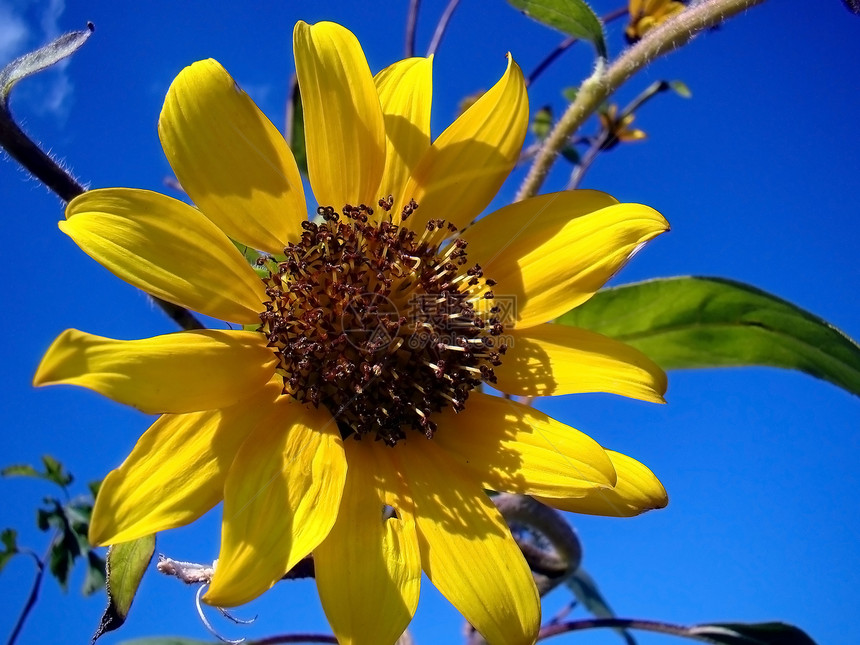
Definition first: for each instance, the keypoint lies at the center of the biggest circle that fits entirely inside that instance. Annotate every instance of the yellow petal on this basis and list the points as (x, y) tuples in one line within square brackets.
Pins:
[(465, 167), (344, 129), (176, 471), (550, 253), (368, 569), (557, 359), (168, 249), (637, 491), (231, 160), (513, 448), (466, 548), (281, 499), (405, 92), (180, 372)]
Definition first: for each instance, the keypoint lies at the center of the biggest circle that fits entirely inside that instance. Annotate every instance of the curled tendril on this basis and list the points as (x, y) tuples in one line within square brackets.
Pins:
[(209, 626)]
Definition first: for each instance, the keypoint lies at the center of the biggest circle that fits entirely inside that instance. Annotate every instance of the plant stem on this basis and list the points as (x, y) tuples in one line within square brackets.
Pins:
[(411, 23), (442, 26), (557, 629), (40, 164), (606, 137), (565, 44), (587, 159), (34, 593), (295, 638), (672, 34)]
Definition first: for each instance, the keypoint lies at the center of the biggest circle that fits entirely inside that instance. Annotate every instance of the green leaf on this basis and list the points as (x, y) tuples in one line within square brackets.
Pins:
[(9, 538), (585, 589), (571, 154), (126, 564), (54, 471), (20, 470), (695, 322), (66, 546), (41, 59), (296, 127), (95, 578), (542, 122), (570, 93), (572, 17), (681, 89), (752, 634)]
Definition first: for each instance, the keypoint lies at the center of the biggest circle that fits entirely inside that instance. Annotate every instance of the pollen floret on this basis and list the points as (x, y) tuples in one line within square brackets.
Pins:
[(378, 323)]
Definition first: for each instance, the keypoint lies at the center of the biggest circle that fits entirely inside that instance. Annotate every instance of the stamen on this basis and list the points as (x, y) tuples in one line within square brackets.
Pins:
[(371, 320)]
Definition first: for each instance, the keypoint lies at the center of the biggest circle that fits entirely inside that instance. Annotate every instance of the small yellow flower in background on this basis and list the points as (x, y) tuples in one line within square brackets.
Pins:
[(618, 130), (647, 14), (373, 323)]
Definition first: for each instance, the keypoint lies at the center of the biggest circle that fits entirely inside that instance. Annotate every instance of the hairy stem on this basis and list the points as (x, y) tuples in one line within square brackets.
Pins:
[(672, 34), (22, 149), (618, 623), (40, 164)]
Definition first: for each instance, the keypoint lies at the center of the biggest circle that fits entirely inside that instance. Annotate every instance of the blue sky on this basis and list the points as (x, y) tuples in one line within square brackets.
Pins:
[(757, 173)]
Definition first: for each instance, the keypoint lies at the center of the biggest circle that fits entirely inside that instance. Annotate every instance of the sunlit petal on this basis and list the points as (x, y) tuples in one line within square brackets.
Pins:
[(405, 92), (176, 471), (636, 491), (180, 372), (230, 159), (344, 128), (374, 540), (281, 498), (557, 359), (466, 548), (513, 448), (168, 249), (465, 167), (549, 254)]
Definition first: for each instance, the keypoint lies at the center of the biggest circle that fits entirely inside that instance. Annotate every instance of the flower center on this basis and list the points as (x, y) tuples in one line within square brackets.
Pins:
[(378, 323)]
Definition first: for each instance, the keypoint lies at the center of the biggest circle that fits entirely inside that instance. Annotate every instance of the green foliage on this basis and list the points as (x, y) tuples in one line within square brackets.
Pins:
[(68, 519), (695, 322), (681, 89), (571, 154), (752, 634), (585, 589), (126, 564), (9, 539), (542, 122), (40, 59), (572, 17), (295, 134), (54, 471)]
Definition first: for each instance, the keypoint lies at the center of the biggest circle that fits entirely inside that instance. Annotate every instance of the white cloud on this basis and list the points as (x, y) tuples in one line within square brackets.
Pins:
[(13, 34), (27, 25), (51, 18)]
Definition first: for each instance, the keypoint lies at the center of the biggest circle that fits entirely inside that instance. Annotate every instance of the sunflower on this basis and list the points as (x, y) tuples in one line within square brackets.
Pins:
[(344, 419), (617, 129), (647, 14)]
